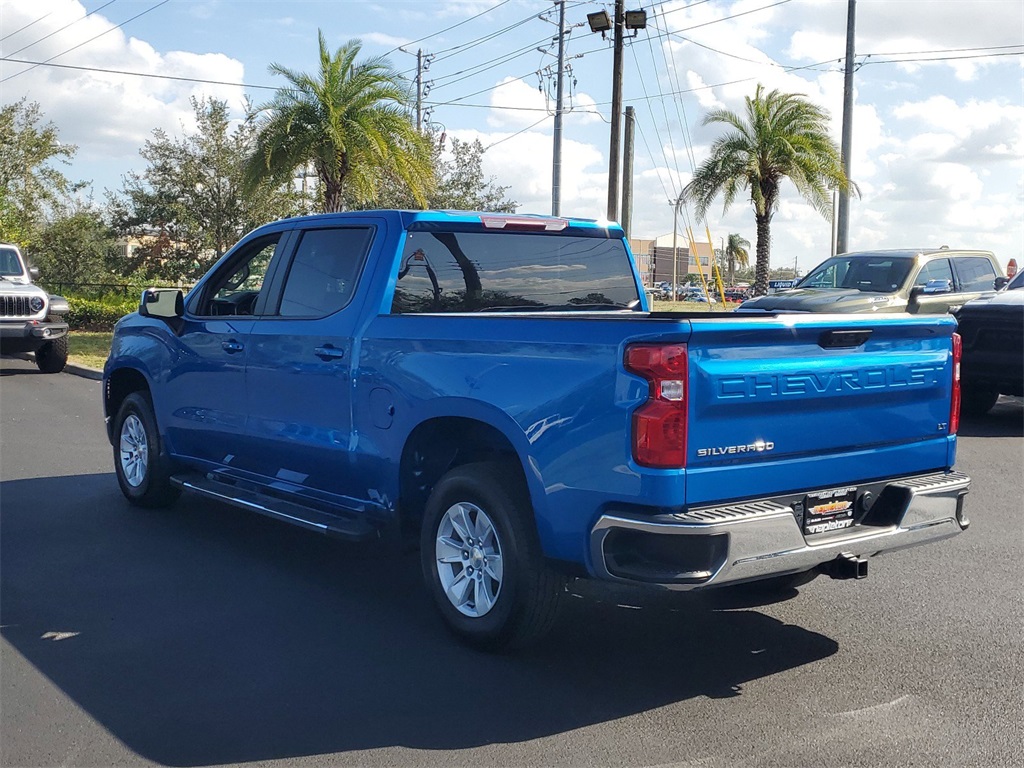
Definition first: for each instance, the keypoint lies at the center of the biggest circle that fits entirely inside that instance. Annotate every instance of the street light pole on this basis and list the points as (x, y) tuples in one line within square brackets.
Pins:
[(675, 238), (847, 148), (614, 149), (556, 160)]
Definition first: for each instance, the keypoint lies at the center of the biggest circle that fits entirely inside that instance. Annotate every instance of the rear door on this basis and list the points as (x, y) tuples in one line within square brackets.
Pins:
[(793, 403), (975, 276)]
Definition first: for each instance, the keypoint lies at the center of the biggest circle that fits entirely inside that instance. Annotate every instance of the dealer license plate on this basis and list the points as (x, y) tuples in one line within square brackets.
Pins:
[(828, 511)]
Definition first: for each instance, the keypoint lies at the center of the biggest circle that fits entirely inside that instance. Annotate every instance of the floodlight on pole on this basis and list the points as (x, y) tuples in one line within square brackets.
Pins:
[(602, 22), (599, 22), (635, 19)]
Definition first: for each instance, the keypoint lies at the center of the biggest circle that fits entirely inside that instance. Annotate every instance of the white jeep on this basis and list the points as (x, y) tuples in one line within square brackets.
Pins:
[(31, 320)]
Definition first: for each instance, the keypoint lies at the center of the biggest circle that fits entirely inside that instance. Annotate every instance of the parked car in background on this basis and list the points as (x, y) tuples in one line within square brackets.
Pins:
[(736, 294), (925, 281), (31, 320), (992, 333)]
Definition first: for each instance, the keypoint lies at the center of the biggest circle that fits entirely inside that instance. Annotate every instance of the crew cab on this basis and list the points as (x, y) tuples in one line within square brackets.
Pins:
[(919, 281), (496, 388)]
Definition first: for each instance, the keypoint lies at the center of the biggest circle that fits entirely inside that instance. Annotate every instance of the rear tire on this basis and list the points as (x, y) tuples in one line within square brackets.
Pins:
[(143, 469), (53, 355), (482, 561), (976, 400)]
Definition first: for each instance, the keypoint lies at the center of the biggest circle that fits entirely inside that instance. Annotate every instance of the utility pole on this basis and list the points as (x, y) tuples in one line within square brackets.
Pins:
[(843, 224), (627, 173), (556, 154), (422, 65), (614, 150)]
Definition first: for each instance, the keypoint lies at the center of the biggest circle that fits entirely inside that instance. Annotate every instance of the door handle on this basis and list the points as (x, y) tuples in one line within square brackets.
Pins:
[(231, 346), (328, 353)]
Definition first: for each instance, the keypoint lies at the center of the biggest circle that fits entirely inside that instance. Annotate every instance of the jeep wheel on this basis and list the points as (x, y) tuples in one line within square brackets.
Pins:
[(53, 355), (482, 562), (976, 400), (143, 470)]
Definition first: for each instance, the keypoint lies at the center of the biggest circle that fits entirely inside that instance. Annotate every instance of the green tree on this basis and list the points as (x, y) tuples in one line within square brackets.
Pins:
[(350, 121), (73, 248), (191, 203), (458, 183), (780, 136), (735, 252), (30, 186)]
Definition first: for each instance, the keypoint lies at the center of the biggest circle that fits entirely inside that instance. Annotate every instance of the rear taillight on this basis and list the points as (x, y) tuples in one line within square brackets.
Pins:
[(954, 406), (659, 425)]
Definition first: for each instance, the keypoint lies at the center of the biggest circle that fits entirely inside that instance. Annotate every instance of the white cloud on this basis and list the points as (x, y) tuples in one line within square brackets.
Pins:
[(514, 104), (382, 39), (108, 115)]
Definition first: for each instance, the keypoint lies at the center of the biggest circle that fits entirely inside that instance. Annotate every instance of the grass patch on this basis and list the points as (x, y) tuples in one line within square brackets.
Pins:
[(688, 306), (89, 348)]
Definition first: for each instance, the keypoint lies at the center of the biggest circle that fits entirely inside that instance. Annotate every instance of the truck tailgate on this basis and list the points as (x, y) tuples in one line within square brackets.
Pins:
[(789, 403)]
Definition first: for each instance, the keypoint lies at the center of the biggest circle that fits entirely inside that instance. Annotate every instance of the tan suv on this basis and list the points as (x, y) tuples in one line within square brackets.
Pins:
[(925, 281)]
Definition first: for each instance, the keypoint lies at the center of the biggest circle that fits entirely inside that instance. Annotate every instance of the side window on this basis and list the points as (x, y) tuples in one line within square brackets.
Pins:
[(235, 290), (322, 276), (935, 270), (975, 273), (824, 279)]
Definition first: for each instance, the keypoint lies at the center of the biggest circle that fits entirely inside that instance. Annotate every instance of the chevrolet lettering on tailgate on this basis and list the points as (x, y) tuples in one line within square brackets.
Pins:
[(844, 382)]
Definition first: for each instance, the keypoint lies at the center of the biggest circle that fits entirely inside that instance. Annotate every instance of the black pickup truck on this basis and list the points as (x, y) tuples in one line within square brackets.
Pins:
[(992, 329)]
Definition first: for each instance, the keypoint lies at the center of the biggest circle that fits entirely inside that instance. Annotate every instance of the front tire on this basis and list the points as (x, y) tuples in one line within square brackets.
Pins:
[(143, 470), (482, 561), (53, 355)]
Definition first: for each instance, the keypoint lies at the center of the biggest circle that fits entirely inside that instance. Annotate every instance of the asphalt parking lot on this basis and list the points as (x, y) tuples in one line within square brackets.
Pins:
[(201, 635)]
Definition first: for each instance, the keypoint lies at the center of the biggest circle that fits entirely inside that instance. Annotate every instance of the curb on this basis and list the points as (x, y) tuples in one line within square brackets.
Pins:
[(74, 370)]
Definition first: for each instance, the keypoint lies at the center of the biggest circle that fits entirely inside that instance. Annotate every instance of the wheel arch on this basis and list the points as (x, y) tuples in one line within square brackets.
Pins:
[(120, 383), (441, 443)]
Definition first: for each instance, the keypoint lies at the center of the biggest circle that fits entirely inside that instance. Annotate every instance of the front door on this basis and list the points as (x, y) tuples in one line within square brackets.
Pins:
[(299, 369), (205, 392)]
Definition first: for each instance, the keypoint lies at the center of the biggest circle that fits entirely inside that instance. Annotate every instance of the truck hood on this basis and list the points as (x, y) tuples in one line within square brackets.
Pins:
[(10, 288), (996, 303), (819, 300)]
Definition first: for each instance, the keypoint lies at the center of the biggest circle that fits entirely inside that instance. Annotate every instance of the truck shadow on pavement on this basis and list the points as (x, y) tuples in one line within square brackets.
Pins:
[(201, 635)]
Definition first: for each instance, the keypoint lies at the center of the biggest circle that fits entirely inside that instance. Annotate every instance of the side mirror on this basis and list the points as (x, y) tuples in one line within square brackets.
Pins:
[(162, 303), (931, 288), (1001, 283), (33, 272)]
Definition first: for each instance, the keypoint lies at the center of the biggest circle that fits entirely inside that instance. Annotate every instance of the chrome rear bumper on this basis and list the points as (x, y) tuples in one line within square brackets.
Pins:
[(763, 538)]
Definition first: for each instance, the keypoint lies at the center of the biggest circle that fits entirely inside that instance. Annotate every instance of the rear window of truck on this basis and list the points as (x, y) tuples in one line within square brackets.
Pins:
[(510, 272)]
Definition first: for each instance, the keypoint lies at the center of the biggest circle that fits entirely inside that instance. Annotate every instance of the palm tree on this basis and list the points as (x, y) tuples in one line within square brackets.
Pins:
[(736, 253), (782, 135), (351, 121)]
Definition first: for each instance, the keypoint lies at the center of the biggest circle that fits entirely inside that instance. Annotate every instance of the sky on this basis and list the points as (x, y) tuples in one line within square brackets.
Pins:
[(938, 119)]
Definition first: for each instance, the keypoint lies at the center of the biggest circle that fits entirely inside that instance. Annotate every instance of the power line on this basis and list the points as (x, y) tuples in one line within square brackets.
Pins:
[(453, 26), (944, 58), (101, 34), (487, 65), (517, 133), (26, 26), (69, 24), (103, 71), (946, 50)]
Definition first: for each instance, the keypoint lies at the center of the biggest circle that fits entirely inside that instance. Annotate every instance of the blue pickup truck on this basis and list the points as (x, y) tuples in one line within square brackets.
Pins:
[(496, 389)]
